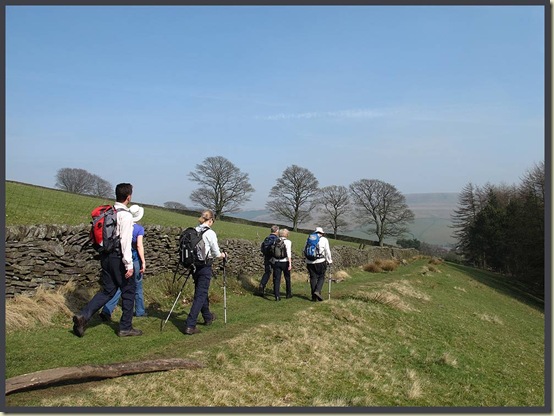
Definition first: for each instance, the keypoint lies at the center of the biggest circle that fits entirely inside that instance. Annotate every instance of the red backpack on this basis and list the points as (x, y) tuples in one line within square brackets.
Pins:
[(102, 231)]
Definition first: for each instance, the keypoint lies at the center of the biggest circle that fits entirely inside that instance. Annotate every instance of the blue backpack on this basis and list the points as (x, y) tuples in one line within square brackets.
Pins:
[(311, 251)]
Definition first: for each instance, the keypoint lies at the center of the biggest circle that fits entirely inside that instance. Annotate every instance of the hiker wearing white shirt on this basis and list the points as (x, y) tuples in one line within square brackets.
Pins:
[(283, 265), (318, 266)]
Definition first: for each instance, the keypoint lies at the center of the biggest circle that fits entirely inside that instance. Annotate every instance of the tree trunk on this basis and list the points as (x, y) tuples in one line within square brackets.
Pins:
[(94, 372)]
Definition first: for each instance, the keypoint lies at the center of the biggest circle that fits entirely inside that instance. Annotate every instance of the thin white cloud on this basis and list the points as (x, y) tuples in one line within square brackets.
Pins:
[(359, 114)]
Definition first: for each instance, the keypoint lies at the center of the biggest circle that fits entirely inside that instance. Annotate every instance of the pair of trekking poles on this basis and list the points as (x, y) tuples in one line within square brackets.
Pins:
[(191, 271)]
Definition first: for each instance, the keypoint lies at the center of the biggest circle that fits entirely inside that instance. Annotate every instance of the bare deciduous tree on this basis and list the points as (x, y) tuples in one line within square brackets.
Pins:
[(382, 206), (224, 188), (174, 205), (335, 205), (294, 195), (79, 181), (102, 188)]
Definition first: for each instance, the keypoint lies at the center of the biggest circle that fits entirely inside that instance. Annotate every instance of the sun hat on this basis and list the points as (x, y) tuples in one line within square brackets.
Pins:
[(319, 230), (137, 212)]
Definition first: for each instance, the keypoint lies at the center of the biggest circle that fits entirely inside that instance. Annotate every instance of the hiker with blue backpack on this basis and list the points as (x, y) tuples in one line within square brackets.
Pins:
[(317, 253), (268, 266)]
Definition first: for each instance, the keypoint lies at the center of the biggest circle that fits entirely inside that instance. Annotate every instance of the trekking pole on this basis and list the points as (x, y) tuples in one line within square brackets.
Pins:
[(177, 298), (224, 288), (330, 276)]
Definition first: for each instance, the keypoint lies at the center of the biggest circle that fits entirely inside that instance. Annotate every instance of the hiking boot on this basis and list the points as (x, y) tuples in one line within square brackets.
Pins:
[(105, 317), (210, 321), (79, 324), (261, 290), (277, 298), (191, 330), (317, 295), (129, 332), (289, 296)]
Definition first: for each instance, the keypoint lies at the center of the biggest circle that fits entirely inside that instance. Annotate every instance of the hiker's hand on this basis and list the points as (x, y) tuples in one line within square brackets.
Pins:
[(129, 273)]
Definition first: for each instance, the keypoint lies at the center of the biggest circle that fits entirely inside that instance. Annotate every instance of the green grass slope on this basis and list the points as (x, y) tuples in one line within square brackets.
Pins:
[(420, 336), (32, 205)]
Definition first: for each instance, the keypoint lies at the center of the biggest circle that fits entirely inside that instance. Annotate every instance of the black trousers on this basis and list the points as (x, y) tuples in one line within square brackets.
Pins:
[(317, 276), (113, 277), (202, 278), (267, 271), (278, 267)]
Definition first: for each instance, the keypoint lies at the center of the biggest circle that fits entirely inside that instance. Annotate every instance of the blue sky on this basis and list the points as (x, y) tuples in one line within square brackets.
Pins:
[(426, 98)]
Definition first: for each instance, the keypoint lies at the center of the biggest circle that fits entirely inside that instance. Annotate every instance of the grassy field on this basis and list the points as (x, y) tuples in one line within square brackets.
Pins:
[(421, 336), (406, 338), (31, 205)]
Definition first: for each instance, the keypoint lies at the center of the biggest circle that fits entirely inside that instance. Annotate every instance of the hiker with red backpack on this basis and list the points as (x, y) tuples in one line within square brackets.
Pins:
[(139, 266), (317, 253), (116, 263)]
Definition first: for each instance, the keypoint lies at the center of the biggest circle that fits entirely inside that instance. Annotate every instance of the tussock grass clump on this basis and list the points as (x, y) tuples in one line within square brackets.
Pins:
[(372, 268), (415, 389), (389, 265), (435, 260), (490, 318), (404, 288), (381, 265), (446, 358), (340, 275), (386, 298), (25, 312)]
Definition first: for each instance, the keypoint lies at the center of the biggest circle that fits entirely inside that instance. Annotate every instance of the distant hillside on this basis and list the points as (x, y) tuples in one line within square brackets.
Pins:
[(432, 218)]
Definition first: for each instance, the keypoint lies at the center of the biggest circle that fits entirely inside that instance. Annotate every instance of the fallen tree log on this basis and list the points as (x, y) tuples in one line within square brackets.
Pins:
[(88, 372)]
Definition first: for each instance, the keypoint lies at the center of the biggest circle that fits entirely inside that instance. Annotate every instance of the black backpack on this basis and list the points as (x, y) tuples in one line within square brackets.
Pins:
[(188, 242), (278, 250), (267, 243)]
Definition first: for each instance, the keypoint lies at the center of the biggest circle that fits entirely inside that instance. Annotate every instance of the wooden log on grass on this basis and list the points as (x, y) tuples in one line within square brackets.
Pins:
[(95, 372)]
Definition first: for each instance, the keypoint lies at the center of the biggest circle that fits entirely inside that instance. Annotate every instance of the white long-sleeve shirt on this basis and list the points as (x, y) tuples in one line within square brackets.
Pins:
[(124, 230), (325, 249), (211, 248), (288, 245)]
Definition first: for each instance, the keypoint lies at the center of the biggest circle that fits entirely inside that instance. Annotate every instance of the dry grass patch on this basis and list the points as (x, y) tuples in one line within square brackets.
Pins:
[(25, 312), (386, 298), (372, 268), (406, 289), (381, 265), (415, 390), (490, 318), (340, 275), (435, 261), (293, 364)]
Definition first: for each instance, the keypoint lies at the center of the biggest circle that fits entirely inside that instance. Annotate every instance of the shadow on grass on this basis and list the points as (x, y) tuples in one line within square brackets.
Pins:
[(501, 284)]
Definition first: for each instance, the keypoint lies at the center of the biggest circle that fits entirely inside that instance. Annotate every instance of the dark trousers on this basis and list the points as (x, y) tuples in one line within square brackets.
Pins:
[(317, 276), (113, 277), (278, 267), (267, 271), (202, 278)]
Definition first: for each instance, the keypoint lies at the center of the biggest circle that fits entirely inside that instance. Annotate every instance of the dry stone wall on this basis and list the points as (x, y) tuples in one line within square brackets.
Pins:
[(52, 255)]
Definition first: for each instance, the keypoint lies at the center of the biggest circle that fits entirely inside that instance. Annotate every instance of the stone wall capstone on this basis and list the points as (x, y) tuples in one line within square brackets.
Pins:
[(52, 255)]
